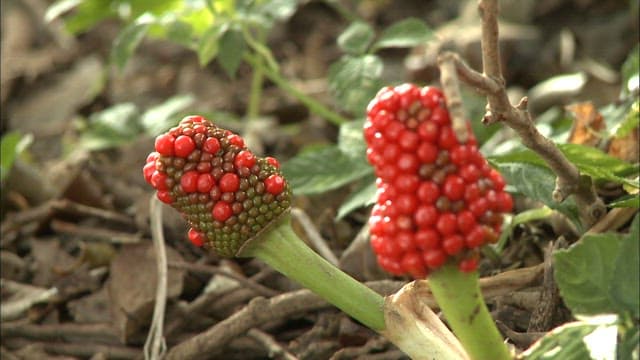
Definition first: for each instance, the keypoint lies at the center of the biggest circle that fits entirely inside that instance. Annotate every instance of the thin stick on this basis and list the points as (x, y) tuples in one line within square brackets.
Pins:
[(274, 350), (451, 88), (317, 241), (569, 181), (155, 346)]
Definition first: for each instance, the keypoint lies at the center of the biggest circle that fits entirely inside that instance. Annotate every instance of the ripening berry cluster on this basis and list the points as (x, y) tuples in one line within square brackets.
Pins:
[(438, 199), (225, 192)]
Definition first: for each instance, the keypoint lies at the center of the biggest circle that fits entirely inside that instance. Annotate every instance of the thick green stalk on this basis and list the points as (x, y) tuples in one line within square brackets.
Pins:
[(313, 105), (283, 250), (459, 297)]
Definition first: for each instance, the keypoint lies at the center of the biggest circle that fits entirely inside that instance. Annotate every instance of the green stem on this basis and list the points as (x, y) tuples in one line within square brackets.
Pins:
[(459, 297), (283, 250), (313, 105), (257, 79)]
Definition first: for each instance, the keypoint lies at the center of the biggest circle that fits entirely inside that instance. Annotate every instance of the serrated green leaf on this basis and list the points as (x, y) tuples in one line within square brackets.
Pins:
[(354, 81), (319, 170), (232, 48), (593, 338), (537, 182), (58, 8), (209, 43), (351, 139), (625, 284), (406, 33), (12, 145), (129, 39), (584, 273), (356, 39), (161, 117), (364, 195)]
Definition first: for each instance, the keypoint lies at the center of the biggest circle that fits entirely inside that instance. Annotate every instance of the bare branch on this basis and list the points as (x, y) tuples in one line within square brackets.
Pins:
[(451, 88)]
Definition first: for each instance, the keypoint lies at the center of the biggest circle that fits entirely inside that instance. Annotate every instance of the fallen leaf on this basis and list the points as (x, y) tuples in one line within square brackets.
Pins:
[(588, 124)]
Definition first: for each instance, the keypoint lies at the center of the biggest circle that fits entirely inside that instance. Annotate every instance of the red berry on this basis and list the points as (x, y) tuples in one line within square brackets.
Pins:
[(476, 237), (479, 207), (468, 265), (453, 244), (447, 139), (165, 197), (196, 238), (447, 224), (148, 170), (430, 97), (407, 162), (159, 180), (404, 239), (183, 146), (407, 93), (412, 263), (205, 183), (274, 184), (496, 178), (235, 139), (390, 265), (428, 192), (388, 225), (407, 183), (390, 248), (244, 158), (381, 120), (192, 119), (406, 203), (427, 239), (408, 140), (466, 221), (428, 131), (472, 193), (427, 153), (470, 173), (221, 211), (189, 181), (152, 157), (505, 202), (453, 187), (393, 130), (459, 155), (164, 144), (434, 258), (229, 182), (273, 162), (440, 116), (211, 145), (425, 216)]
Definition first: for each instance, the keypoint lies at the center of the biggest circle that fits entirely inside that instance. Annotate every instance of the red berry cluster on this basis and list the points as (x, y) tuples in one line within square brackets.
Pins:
[(225, 192), (437, 198)]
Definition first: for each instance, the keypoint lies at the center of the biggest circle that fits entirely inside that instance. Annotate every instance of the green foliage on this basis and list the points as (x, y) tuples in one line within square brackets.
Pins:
[(590, 338), (599, 273), (354, 81), (322, 169), (355, 40), (12, 145), (232, 48), (522, 218), (537, 183), (630, 70), (630, 201), (128, 40), (363, 195), (123, 123), (406, 33), (208, 45), (630, 121)]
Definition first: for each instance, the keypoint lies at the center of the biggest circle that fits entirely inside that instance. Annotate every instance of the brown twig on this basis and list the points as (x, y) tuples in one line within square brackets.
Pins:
[(274, 350), (569, 181), (451, 88)]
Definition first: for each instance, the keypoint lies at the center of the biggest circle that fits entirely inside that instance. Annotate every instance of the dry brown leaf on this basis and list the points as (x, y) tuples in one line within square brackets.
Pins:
[(626, 148), (588, 124)]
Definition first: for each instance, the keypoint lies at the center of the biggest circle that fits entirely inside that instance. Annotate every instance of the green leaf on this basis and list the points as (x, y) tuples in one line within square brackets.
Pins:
[(405, 33), (629, 344), (111, 127), (537, 183), (630, 70), (278, 9), (591, 338), (60, 7), (364, 195), (232, 48), (584, 273), (322, 169), (351, 139), (12, 145), (161, 117), (210, 43), (628, 201), (522, 218), (354, 81), (356, 38), (625, 284), (630, 122), (129, 39)]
